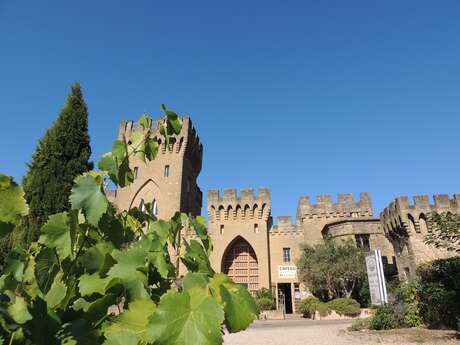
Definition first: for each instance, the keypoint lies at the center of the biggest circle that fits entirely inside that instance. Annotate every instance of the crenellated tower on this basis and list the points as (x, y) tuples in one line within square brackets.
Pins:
[(239, 225), (312, 218), (169, 181), (405, 225)]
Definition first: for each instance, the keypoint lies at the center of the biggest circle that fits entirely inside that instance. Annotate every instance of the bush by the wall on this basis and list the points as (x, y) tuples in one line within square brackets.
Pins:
[(383, 318), (440, 292), (265, 299), (360, 324), (345, 306), (310, 305), (265, 303)]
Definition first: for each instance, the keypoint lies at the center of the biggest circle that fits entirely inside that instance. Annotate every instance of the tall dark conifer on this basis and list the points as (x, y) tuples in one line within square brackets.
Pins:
[(61, 155)]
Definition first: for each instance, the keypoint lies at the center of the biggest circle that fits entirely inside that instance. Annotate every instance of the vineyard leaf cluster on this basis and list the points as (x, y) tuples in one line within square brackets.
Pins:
[(98, 276)]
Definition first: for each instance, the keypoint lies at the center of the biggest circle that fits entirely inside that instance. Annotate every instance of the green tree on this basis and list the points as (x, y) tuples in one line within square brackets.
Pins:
[(61, 155), (444, 231), (332, 270)]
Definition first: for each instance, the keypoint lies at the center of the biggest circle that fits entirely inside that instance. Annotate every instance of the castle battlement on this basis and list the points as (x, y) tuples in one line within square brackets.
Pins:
[(402, 215), (285, 226), (231, 206), (346, 206)]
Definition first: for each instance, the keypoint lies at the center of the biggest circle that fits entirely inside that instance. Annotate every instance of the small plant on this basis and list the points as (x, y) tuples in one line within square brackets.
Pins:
[(265, 303), (310, 305), (383, 318), (345, 306), (360, 324), (265, 299)]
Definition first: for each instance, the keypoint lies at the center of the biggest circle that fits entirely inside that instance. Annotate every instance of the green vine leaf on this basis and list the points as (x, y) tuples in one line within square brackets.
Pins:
[(135, 319), (188, 318), (92, 283), (240, 308), (18, 310), (12, 204), (56, 234), (57, 292), (122, 338), (87, 195)]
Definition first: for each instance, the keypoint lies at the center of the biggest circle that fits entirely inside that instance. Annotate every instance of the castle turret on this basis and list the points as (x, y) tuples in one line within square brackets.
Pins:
[(168, 181)]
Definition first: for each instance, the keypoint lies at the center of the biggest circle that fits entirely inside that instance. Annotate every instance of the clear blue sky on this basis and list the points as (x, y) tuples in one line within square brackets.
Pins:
[(305, 97)]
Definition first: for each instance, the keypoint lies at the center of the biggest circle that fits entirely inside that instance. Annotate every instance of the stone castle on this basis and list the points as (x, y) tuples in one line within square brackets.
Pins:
[(253, 250)]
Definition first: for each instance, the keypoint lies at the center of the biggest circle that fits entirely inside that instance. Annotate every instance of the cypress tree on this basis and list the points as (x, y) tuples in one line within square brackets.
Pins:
[(61, 155)]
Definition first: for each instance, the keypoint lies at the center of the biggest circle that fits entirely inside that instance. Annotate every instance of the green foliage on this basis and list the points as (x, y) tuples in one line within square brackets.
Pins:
[(61, 155), (332, 270), (264, 303), (360, 324), (440, 292), (265, 299), (310, 305), (383, 318), (345, 306), (100, 277), (444, 231)]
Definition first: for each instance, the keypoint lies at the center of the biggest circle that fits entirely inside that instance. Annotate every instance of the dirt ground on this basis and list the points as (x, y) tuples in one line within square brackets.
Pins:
[(303, 332)]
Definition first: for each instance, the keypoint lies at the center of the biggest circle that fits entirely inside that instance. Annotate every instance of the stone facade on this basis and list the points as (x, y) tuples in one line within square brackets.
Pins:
[(253, 250), (405, 225)]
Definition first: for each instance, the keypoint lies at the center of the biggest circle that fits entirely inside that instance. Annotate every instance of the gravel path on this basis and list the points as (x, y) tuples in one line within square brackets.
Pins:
[(306, 332)]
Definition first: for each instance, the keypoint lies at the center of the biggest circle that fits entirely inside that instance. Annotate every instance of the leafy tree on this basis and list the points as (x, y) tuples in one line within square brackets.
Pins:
[(61, 155), (332, 270), (100, 277), (444, 231)]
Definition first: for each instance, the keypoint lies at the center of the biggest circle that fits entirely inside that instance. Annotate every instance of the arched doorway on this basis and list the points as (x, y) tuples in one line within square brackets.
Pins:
[(240, 264)]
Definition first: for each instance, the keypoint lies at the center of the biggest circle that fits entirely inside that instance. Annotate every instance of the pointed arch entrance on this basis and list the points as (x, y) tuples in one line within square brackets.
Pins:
[(240, 263)]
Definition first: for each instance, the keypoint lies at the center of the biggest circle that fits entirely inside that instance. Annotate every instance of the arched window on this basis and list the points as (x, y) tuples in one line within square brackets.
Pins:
[(411, 224), (423, 224), (142, 205)]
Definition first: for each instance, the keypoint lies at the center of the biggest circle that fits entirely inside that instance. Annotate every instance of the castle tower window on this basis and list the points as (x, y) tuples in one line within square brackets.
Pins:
[(362, 241), (256, 228), (166, 174), (142, 205), (188, 186), (286, 254), (221, 229), (135, 172), (354, 215)]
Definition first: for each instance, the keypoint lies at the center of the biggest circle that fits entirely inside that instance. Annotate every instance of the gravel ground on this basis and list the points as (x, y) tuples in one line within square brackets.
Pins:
[(303, 332)]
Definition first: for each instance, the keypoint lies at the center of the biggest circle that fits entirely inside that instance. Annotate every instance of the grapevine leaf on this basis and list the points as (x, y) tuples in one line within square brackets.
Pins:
[(18, 310), (57, 292), (108, 163), (161, 228), (92, 283), (15, 267), (76, 332), (136, 144), (119, 150), (87, 195), (46, 267), (135, 319), (12, 204), (240, 308), (158, 257), (151, 148), (44, 324), (122, 338), (199, 224), (125, 174), (56, 234), (195, 258), (145, 121), (97, 258), (185, 319), (127, 269), (97, 310)]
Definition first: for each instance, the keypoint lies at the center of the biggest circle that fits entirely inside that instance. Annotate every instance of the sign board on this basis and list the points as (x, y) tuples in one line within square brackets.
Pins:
[(289, 272), (376, 278)]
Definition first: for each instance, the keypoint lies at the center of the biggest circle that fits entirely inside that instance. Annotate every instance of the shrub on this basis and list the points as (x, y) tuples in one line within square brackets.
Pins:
[(265, 303), (345, 306), (310, 305), (440, 292), (360, 324), (265, 299), (383, 318)]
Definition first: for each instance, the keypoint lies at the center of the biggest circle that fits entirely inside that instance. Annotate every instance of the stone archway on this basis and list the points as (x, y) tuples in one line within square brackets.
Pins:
[(240, 263)]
